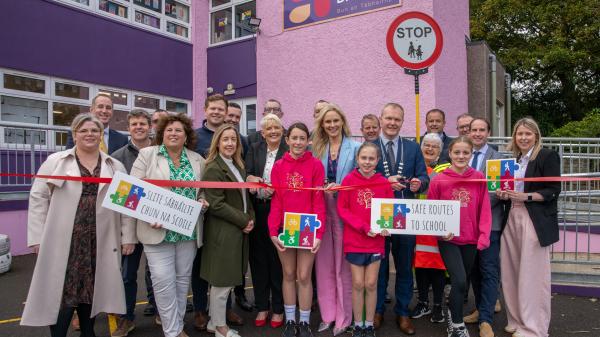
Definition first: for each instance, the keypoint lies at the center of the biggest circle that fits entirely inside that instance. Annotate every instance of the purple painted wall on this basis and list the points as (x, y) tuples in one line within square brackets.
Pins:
[(233, 63), (48, 38)]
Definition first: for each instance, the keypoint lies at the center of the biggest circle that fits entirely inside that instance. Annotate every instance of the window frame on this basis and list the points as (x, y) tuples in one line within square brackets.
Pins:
[(50, 98), (232, 4), (94, 7)]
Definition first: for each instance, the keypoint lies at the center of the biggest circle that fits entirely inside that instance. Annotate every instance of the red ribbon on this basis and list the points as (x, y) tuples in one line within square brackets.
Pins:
[(230, 185)]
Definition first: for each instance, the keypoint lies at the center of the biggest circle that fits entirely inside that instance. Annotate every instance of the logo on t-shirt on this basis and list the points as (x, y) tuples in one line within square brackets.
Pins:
[(463, 195), (295, 180), (364, 197)]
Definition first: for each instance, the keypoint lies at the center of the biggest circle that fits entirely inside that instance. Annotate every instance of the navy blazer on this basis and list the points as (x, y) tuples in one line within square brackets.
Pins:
[(116, 140), (414, 165)]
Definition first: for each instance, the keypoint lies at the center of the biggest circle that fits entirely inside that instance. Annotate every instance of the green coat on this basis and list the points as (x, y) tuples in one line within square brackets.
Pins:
[(225, 251)]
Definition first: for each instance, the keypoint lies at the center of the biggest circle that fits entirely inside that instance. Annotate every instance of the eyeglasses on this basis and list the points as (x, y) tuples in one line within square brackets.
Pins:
[(431, 146), (272, 109), (91, 131), (463, 127)]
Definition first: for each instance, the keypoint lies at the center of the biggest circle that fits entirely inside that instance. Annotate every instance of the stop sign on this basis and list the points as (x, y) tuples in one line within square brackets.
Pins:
[(414, 40)]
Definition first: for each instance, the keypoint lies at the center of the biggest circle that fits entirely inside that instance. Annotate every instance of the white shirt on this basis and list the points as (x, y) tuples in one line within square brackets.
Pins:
[(482, 153), (520, 173), (238, 176), (271, 155), (385, 141)]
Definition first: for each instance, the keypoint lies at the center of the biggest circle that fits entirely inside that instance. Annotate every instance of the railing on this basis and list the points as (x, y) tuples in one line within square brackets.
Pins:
[(579, 203)]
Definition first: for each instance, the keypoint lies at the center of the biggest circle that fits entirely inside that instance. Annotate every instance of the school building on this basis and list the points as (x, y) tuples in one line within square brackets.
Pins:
[(57, 55)]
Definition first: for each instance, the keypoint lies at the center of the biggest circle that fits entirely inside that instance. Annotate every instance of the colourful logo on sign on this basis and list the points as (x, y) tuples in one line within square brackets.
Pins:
[(501, 174), (128, 195), (393, 216), (299, 230), (298, 13)]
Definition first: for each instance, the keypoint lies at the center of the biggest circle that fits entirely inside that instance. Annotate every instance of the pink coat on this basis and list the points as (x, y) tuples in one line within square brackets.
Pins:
[(52, 207), (306, 171), (475, 209)]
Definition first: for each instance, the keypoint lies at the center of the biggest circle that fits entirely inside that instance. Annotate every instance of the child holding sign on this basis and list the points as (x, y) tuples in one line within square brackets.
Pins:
[(363, 248), (297, 169), (459, 252)]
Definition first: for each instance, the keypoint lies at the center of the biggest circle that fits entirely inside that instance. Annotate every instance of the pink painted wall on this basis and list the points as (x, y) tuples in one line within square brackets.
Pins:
[(346, 61), (200, 41), (14, 224)]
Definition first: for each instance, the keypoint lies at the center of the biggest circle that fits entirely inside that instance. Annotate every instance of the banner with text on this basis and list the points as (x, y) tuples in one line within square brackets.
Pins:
[(134, 197), (299, 13), (415, 216)]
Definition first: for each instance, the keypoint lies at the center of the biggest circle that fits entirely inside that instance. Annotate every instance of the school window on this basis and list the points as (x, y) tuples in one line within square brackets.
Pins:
[(229, 20), (167, 17), (35, 100)]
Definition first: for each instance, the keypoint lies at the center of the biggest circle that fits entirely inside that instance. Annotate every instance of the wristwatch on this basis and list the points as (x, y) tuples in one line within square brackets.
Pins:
[(529, 197)]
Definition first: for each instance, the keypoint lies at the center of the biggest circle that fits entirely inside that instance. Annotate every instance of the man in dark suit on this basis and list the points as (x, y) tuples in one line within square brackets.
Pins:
[(233, 117), (112, 140), (435, 121), (403, 164), (272, 106), (485, 275)]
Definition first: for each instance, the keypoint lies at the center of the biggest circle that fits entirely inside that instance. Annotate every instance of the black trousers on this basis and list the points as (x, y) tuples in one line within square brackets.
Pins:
[(63, 321), (267, 275), (430, 277), (459, 260)]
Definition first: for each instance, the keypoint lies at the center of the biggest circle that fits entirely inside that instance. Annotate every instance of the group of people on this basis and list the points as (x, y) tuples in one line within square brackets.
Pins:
[(88, 256)]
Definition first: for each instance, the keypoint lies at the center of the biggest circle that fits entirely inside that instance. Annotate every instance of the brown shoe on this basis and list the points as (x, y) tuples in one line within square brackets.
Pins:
[(485, 330), (200, 320), (405, 325), (377, 320), (472, 318), (75, 322), (497, 307), (124, 328), (234, 319)]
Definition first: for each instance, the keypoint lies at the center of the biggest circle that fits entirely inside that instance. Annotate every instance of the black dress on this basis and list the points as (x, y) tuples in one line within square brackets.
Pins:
[(81, 266)]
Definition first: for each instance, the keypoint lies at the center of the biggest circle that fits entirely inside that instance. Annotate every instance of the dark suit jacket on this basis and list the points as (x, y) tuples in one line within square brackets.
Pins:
[(414, 166), (499, 209), (116, 140), (544, 214), (256, 157)]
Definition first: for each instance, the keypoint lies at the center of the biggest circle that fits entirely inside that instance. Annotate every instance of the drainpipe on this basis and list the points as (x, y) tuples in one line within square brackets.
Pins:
[(493, 113), (508, 83)]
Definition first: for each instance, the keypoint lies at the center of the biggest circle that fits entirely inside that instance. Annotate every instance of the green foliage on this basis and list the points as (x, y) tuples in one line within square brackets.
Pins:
[(552, 50), (589, 127)]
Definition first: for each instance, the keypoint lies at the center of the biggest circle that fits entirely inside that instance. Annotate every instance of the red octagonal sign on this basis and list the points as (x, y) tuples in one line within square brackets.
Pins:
[(414, 40)]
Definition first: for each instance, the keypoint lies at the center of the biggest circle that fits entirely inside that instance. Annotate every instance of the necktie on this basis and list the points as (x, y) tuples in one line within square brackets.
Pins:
[(390, 153), (475, 160), (103, 147)]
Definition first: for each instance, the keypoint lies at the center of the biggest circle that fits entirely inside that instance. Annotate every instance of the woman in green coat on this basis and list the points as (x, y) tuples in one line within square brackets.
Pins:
[(228, 221)]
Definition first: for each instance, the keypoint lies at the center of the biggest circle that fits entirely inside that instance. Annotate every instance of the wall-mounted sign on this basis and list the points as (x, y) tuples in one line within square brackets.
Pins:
[(300, 13)]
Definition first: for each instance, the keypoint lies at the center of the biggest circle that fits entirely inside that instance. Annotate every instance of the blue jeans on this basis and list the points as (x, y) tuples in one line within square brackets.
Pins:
[(403, 250), (485, 278), (130, 264)]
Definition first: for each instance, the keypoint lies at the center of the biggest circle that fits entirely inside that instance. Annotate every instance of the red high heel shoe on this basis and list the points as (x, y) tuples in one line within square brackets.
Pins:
[(276, 324), (261, 322)]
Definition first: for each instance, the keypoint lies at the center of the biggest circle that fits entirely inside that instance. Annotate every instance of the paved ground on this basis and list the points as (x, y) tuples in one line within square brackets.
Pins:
[(571, 316)]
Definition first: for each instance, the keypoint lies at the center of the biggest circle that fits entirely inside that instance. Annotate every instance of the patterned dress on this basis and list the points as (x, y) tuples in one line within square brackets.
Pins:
[(183, 172), (81, 266)]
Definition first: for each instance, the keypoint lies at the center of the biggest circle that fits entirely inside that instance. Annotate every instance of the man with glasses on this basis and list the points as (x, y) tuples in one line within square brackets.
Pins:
[(156, 116), (272, 106), (111, 140), (463, 124)]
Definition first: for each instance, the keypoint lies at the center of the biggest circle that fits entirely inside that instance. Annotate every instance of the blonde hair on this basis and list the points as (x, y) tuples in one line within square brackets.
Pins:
[(80, 119), (269, 119), (319, 136), (213, 151), (531, 124)]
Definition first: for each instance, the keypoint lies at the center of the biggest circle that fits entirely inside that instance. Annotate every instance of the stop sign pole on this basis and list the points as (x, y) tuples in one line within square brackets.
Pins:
[(414, 41)]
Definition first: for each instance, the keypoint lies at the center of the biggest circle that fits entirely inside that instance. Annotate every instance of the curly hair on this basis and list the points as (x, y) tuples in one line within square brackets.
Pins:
[(187, 127)]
